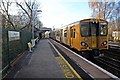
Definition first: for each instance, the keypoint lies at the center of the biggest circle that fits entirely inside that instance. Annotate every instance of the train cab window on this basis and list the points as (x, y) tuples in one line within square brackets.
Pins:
[(103, 29), (65, 33), (74, 33), (84, 29)]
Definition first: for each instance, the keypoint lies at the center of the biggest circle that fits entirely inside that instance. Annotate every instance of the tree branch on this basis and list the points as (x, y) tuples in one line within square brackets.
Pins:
[(23, 9), (7, 14)]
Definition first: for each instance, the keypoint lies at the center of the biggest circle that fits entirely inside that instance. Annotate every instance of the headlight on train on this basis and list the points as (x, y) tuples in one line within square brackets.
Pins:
[(84, 44), (104, 43)]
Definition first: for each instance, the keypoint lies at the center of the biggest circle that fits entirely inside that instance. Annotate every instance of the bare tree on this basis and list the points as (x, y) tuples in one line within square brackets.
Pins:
[(101, 9), (27, 13), (93, 6), (29, 10), (107, 9), (5, 5), (116, 15)]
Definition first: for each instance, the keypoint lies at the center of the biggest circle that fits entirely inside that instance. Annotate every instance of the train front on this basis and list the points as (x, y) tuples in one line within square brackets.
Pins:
[(94, 34)]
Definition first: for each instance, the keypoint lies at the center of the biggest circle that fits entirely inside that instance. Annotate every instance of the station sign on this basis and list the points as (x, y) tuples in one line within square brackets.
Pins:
[(13, 35)]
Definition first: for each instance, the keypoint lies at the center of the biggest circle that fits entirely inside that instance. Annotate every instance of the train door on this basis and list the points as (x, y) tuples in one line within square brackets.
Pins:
[(94, 33), (71, 37), (68, 36)]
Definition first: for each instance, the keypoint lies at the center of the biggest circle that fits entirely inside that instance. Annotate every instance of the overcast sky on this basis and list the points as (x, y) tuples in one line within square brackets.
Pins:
[(62, 12)]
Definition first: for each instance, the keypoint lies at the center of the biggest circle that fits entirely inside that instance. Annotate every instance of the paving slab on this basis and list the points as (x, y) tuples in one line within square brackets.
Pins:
[(41, 63)]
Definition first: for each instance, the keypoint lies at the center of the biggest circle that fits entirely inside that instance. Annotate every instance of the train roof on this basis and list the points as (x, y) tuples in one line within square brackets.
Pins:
[(73, 23), (92, 19), (88, 19)]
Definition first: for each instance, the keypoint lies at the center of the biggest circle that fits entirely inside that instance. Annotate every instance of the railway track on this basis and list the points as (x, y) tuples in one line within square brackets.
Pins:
[(110, 61), (109, 65), (112, 46), (112, 54), (115, 49)]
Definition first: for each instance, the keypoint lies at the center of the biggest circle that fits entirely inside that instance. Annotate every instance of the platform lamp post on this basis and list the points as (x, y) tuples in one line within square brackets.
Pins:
[(32, 40)]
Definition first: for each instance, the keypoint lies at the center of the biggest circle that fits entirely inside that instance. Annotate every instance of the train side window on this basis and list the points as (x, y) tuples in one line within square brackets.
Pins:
[(74, 33), (65, 33)]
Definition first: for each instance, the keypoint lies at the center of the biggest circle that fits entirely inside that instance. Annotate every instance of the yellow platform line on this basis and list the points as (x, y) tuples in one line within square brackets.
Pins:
[(72, 69)]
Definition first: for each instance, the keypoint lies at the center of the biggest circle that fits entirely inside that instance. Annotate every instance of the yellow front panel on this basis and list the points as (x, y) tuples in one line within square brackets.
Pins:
[(86, 40), (93, 42), (101, 40)]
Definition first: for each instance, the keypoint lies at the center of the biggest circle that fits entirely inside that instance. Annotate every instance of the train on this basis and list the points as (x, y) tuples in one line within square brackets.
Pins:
[(84, 35)]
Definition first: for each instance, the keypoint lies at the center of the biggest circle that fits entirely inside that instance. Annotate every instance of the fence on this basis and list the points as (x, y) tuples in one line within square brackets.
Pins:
[(10, 49)]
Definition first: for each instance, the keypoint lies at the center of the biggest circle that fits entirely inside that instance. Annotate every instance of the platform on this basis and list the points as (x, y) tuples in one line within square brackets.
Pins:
[(43, 62)]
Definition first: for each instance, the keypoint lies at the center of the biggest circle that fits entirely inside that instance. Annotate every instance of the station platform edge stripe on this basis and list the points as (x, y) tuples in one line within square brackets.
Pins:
[(72, 69)]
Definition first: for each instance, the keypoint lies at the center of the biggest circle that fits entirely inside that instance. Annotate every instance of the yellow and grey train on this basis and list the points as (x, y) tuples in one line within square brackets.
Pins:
[(84, 35)]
